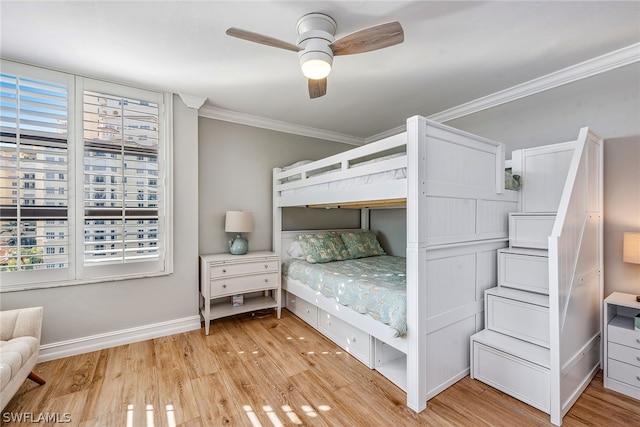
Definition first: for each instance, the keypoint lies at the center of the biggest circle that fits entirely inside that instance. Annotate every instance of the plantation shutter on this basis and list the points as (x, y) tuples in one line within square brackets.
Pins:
[(85, 180), (34, 187), (122, 185)]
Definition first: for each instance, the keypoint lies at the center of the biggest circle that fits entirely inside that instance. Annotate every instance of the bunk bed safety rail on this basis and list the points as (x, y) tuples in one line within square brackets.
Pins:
[(361, 161)]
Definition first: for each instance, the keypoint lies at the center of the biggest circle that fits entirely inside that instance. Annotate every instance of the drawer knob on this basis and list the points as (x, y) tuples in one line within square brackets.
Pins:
[(353, 339), (224, 270), (266, 266), (266, 280), (224, 286)]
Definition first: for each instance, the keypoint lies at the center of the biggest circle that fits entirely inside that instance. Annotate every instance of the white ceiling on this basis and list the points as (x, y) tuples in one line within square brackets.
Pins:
[(453, 53)]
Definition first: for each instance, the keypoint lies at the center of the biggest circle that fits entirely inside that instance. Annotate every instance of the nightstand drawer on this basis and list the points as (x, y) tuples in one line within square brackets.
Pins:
[(624, 372), (238, 285), (225, 270), (621, 331), (624, 354)]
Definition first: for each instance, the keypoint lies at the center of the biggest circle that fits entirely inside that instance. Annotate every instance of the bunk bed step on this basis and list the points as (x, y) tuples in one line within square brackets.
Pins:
[(525, 269), (530, 230), (513, 366), (519, 314)]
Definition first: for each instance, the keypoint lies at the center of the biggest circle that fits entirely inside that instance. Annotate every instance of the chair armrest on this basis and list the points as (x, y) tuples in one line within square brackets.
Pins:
[(22, 322)]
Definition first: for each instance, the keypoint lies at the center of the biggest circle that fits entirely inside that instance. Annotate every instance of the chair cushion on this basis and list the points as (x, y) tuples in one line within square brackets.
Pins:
[(25, 346), (5, 375), (11, 361), (13, 355)]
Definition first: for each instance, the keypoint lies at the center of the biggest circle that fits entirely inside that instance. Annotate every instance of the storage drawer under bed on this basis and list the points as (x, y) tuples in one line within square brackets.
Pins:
[(303, 309), (353, 340)]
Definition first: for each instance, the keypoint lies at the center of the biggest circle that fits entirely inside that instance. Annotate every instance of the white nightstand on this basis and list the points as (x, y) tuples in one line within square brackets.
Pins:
[(255, 276), (622, 344)]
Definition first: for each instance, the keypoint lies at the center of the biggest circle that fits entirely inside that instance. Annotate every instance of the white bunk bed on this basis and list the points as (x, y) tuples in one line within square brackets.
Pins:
[(452, 185)]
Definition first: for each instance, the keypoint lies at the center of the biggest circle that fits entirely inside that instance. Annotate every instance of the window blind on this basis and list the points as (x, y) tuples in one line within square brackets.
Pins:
[(121, 169), (85, 180), (34, 223)]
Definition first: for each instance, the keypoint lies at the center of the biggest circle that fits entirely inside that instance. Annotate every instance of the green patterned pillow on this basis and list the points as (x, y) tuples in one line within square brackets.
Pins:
[(362, 244), (320, 248)]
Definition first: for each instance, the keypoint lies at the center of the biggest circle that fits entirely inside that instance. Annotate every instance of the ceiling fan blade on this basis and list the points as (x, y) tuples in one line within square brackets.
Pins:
[(368, 39), (317, 88), (259, 38)]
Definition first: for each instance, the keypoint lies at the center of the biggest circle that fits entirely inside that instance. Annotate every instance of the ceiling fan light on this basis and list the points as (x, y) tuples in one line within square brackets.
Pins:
[(316, 69), (316, 65)]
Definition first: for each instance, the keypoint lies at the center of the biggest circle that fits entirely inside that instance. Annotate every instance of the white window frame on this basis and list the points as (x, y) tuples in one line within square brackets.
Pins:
[(77, 273)]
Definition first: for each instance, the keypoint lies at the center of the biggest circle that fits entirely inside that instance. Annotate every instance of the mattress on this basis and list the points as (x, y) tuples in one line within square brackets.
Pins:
[(374, 285)]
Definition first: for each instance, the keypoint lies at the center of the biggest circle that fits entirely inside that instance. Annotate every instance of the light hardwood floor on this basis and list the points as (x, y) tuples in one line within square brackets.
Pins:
[(265, 372)]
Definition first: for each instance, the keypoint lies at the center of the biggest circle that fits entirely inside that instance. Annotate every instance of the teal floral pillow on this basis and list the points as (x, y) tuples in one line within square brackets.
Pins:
[(362, 244), (320, 248)]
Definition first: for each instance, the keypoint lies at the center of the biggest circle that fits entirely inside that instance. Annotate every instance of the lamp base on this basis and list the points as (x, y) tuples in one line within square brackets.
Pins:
[(239, 245)]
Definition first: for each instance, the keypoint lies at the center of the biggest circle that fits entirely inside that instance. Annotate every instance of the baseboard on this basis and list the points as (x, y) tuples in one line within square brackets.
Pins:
[(90, 343), (448, 383)]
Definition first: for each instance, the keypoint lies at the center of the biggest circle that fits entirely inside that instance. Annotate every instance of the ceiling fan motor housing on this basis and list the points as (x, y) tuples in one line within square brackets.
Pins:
[(315, 34)]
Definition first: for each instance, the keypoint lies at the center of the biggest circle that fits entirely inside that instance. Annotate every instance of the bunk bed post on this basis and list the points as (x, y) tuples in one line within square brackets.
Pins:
[(277, 216), (416, 264), (364, 219)]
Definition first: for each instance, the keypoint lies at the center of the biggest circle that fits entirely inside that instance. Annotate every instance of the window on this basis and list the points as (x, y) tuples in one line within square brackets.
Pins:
[(88, 137)]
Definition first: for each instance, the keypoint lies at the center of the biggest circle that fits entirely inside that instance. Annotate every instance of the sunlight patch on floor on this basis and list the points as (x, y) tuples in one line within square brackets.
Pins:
[(170, 413), (255, 422), (291, 414), (268, 410)]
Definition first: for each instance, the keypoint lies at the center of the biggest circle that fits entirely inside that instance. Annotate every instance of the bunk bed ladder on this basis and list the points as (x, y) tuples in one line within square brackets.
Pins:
[(541, 342)]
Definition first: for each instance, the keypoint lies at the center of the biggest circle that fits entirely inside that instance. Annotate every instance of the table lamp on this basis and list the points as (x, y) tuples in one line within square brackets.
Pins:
[(631, 250), (238, 222)]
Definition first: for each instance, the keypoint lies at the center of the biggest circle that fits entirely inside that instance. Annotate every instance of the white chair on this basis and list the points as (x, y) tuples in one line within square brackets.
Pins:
[(19, 348)]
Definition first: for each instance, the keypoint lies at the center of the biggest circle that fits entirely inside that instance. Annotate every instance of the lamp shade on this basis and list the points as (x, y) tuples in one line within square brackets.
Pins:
[(631, 248), (238, 222)]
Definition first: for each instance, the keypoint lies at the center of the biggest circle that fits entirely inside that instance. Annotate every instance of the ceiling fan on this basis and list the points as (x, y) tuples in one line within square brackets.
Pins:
[(316, 45)]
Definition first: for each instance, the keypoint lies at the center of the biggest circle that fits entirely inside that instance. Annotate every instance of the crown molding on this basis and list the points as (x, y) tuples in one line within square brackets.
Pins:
[(592, 67), (192, 101), (277, 125)]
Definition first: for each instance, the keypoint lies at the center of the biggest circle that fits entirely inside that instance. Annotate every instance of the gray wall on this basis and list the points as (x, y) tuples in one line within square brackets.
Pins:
[(621, 211), (74, 312), (236, 164), (608, 103), (390, 225)]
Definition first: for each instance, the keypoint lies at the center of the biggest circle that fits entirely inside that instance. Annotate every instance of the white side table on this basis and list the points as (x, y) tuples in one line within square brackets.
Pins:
[(255, 276), (621, 344)]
